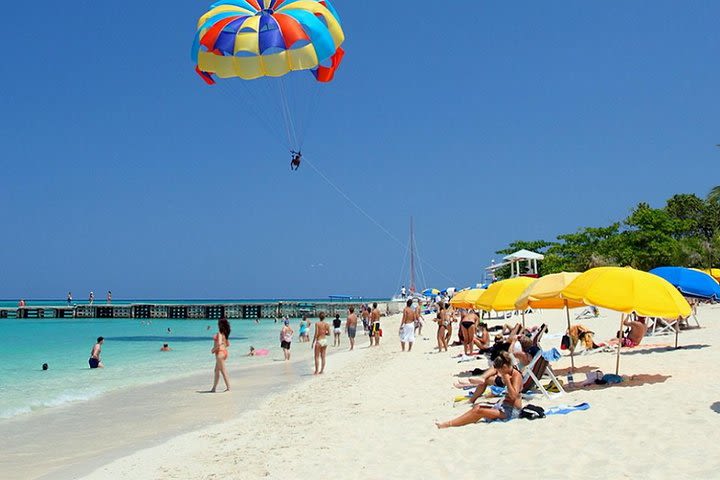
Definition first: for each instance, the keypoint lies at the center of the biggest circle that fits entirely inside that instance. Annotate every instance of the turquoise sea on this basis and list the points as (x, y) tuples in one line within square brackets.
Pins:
[(131, 354)]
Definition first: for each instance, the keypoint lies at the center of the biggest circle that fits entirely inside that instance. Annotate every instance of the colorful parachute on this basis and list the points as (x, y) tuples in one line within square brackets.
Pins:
[(250, 39)]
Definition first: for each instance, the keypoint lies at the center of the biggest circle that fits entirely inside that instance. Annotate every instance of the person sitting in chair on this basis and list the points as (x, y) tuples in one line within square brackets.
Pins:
[(633, 336)]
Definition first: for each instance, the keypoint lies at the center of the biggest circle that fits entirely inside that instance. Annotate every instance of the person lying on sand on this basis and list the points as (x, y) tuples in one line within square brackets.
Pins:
[(506, 409)]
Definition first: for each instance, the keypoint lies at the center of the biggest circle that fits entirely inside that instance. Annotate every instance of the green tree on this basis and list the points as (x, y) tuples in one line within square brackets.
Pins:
[(587, 248), (650, 239), (714, 195)]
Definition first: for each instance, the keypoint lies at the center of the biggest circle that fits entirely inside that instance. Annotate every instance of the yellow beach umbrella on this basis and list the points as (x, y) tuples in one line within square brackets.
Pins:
[(713, 272), (628, 291), (501, 296), (545, 293), (466, 298)]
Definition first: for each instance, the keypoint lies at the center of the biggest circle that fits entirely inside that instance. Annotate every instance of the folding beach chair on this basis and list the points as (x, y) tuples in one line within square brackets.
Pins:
[(660, 326), (534, 372)]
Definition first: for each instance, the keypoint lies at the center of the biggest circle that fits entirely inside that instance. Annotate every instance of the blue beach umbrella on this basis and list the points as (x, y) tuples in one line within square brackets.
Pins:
[(690, 282), (430, 292)]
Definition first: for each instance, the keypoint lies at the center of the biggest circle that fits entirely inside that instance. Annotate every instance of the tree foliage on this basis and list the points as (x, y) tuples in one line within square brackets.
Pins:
[(685, 232)]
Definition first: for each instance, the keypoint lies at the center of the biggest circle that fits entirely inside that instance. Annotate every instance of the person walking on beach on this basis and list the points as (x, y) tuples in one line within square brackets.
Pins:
[(418, 319), (69, 298), (319, 343), (91, 299), (407, 327), (375, 324), (220, 350), (365, 314), (337, 330), (351, 326), (286, 335), (94, 360)]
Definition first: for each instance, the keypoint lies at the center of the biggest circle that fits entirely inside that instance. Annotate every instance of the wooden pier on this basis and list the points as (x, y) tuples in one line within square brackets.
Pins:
[(192, 310)]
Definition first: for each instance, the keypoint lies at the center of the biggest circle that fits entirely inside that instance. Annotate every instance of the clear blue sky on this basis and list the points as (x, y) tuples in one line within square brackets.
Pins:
[(487, 121)]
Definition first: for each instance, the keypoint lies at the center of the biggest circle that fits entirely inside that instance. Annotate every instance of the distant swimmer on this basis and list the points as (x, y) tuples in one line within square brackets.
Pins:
[(165, 348), (45, 366), (296, 159), (168, 330), (94, 359)]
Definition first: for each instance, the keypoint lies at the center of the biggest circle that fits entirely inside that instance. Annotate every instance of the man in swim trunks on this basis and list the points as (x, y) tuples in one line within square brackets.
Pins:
[(319, 343), (94, 360), (407, 326), (375, 324), (351, 326)]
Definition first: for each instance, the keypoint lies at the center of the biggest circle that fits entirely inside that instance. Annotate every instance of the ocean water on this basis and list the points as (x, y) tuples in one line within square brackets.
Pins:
[(131, 354)]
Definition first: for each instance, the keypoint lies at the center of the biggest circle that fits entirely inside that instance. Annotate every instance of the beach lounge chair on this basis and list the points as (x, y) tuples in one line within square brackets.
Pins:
[(660, 326), (534, 372)]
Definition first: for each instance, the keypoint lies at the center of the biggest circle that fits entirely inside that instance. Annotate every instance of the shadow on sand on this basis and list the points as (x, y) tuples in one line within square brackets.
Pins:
[(661, 349)]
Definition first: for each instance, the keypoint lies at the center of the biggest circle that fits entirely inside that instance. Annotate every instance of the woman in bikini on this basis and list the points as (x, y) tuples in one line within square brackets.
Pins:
[(449, 320), (440, 319), (220, 346), (320, 342), (468, 329), (506, 409)]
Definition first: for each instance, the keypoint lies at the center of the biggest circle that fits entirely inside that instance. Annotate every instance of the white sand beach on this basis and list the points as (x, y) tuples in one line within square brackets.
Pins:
[(371, 416)]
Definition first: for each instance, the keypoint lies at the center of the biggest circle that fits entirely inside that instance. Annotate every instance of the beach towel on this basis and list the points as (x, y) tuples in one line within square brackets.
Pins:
[(565, 409), (551, 355), (612, 378)]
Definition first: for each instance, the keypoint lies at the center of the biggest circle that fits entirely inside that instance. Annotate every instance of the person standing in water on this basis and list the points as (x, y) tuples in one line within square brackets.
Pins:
[(94, 360), (351, 326), (319, 343), (337, 330), (109, 297), (69, 298), (286, 335), (220, 346), (91, 299)]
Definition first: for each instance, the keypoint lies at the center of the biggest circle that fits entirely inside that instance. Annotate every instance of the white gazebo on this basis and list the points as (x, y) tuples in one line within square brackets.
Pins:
[(523, 263)]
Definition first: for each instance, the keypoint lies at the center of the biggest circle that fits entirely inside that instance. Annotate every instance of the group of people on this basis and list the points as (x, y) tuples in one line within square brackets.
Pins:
[(91, 298)]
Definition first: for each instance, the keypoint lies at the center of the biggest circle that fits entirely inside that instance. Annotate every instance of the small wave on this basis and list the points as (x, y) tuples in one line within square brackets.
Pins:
[(58, 401)]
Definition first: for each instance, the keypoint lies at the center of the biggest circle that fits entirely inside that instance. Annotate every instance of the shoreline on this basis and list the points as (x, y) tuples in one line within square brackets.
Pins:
[(383, 398), (81, 436)]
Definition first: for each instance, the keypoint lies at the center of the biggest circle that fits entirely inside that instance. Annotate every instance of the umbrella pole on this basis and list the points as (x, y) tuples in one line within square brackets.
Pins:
[(617, 360), (677, 331), (523, 318), (572, 347)]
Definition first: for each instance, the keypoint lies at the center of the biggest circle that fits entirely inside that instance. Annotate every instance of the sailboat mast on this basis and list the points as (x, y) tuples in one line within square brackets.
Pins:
[(412, 257)]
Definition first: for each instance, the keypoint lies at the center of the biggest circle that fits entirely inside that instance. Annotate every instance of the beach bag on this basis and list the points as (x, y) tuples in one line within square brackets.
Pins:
[(565, 343), (380, 332), (532, 412)]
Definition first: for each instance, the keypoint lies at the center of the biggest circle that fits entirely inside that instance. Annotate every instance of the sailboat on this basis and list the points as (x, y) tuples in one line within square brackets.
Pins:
[(412, 291)]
